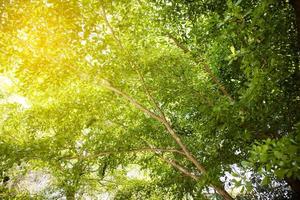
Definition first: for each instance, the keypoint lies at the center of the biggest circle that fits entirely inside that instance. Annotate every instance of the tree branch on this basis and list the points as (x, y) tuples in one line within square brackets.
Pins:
[(176, 165), (206, 67), (133, 102), (162, 119), (172, 132), (178, 44), (217, 82), (110, 27), (133, 65), (180, 168), (141, 150)]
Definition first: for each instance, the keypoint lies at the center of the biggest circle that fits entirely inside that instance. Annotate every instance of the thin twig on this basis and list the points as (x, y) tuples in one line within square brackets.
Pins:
[(138, 150), (206, 67), (132, 64), (110, 28)]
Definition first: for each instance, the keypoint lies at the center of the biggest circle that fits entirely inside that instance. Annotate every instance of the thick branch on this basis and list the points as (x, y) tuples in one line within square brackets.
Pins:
[(222, 192), (183, 170), (178, 44), (188, 154), (176, 165), (180, 168), (134, 102)]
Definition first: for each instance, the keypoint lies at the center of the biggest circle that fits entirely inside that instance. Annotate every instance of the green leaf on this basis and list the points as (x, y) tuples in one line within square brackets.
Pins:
[(266, 181)]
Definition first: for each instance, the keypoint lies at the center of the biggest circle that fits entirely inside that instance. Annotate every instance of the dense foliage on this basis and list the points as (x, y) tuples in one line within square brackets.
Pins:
[(149, 99)]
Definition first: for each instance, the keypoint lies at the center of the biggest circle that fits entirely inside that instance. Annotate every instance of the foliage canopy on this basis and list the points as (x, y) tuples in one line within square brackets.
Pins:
[(188, 96)]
